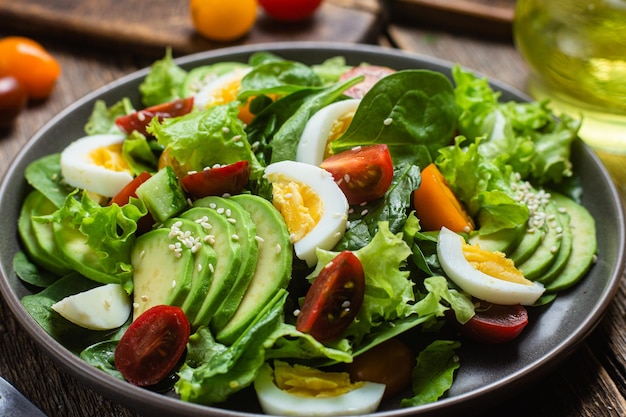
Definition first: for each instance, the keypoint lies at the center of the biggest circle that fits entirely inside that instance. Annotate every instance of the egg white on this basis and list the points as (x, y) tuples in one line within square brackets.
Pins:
[(211, 93), (333, 220), (101, 308), (314, 138), (275, 401), (80, 171), (477, 283)]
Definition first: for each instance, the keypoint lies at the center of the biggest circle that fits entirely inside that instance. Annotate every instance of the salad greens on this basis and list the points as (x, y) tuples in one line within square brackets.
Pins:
[(415, 112)]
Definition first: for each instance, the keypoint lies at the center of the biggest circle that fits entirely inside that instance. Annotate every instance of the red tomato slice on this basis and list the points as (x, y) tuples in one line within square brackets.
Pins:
[(140, 120), (226, 179), (494, 323), (152, 345), (363, 173), (123, 197), (334, 299), (372, 74)]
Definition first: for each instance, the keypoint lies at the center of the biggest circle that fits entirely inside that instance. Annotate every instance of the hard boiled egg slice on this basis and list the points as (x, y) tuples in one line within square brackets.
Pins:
[(326, 125), (95, 164), (314, 394), (101, 308), (312, 204), (489, 276), (222, 90)]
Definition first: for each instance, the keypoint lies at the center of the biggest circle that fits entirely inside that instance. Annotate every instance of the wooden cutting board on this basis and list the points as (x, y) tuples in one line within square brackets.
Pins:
[(148, 26), (492, 18)]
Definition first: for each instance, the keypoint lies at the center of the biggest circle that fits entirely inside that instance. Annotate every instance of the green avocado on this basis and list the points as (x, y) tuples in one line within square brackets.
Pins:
[(245, 230), (566, 237), (158, 268), (583, 247), (273, 267), (504, 240), (546, 253), (527, 246), (38, 236), (221, 234)]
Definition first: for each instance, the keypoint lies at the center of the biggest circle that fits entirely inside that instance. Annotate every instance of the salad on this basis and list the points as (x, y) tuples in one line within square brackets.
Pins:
[(301, 230)]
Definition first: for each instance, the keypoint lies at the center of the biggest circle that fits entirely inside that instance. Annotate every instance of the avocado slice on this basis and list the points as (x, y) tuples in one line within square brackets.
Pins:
[(566, 244), (160, 275), (221, 234), (245, 230), (38, 236), (546, 253), (504, 240), (273, 268), (584, 244), (527, 246)]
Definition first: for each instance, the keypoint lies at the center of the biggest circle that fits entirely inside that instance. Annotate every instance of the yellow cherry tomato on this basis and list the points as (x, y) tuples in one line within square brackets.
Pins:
[(27, 61), (223, 20)]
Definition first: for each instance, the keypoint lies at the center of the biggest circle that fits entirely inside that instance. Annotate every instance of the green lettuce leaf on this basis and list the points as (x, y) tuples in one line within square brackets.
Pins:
[(102, 118), (163, 83), (205, 138)]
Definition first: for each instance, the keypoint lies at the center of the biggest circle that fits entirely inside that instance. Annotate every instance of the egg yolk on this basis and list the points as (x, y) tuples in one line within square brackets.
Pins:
[(308, 382), (337, 129), (109, 157), (299, 205), (494, 264)]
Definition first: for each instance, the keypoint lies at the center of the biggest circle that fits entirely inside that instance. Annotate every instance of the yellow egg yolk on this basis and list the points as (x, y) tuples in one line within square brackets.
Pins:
[(299, 205), (308, 382), (337, 129), (109, 157), (494, 264)]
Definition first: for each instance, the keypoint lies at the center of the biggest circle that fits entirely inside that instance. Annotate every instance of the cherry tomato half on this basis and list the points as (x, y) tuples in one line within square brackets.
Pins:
[(152, 345), (363, 173), (30, 63), (140, 120), (334, 299), (494, 323), (372, 74), (390, 363), (290, 10), (226, 179), (13, 99)]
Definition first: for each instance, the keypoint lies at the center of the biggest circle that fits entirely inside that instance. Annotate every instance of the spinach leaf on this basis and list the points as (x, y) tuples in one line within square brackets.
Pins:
[(282, 77), (277, 129), (412, 111), (391, 208), (44, 175), (73, 337)]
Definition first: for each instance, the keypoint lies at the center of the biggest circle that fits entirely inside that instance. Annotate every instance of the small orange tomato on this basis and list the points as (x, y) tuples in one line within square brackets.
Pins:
[(223, 20), (27, 61), (436, 205)]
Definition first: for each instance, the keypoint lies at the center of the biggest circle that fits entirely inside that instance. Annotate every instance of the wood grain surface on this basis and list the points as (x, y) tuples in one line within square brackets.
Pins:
[(492, 18), (147, 27), (591, 382)]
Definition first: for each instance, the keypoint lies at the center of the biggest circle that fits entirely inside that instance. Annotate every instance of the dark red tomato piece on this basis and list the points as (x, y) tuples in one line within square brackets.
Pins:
[(123, 197), (290, 10), (372, 74), (334, 298), (139, 120), (152, 345), (225, 179), (494, 323), (390, 363), (363, 173), (13, 99)]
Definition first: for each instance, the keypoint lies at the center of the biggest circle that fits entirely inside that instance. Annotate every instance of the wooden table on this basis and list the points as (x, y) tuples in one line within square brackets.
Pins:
[(592, 382)]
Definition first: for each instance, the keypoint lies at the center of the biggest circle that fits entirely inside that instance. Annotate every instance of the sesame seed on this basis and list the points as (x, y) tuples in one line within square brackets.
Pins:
[(231, 220), (213, 205), (235, 237), (236, 138), (107, 303), (259, 239), (135, 305), (288, 195), (225, 129), (388, 121), (220, 210), (228, 213), (173, 283), (296, 312), (364, 212), (199, 267), (141, 116), (211, 268), (278, 248), (144, 298), (356, 148), (346, 178)]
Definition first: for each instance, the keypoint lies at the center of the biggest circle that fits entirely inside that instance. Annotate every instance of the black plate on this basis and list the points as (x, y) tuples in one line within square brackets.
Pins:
[(485, 372)]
